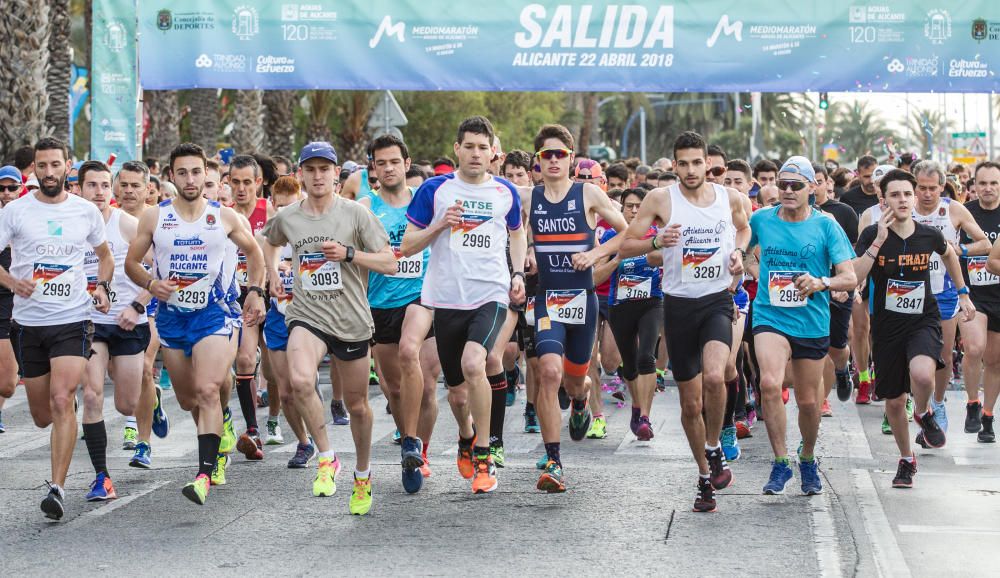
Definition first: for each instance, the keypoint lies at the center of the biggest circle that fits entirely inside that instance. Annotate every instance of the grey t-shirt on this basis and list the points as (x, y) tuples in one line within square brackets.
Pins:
[(328, 296)]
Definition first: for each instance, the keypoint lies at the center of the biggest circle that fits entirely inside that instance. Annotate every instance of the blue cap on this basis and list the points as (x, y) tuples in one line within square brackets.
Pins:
[(10, 172), (318, 150), (799, 165)]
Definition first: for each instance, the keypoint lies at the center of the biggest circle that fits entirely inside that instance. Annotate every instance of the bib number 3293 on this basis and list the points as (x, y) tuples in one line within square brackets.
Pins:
[(781, 289), (567, 306), (318, 274)]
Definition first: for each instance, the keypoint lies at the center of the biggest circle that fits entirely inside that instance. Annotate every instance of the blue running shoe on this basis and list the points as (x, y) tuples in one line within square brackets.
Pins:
[(165, 379), (102, 489), (141, 459), (412, 459), (542, 462), (811, 482), (780, 474), (161, 426), (940, 414), (397, 438), (730, 446), (339, 413), (304, 453), (531, 424)]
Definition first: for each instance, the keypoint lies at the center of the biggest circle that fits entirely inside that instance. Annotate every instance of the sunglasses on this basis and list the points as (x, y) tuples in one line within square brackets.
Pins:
[(548, 154), (796, 186), (10, 188), (585, 177), (717, 171)]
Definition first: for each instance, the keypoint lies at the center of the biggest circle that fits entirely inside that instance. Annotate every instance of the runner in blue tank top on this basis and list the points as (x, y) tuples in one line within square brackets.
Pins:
[(562, 215)]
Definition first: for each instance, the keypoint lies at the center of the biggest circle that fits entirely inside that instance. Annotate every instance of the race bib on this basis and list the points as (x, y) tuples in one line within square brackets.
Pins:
[(192, 290), (701, 264), (781, 289), (53, 283), (567, 306), (936, 267), (318, 274), (978, 275), (242, 277), (529, 311), (92, 286), (633, 287), (288, 282), (905, 297), (474, 234), (411, 267)]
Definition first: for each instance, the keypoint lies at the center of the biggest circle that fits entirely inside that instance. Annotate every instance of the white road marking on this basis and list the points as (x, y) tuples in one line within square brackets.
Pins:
[(113, 505), (889, 559), (824, 535), (919, 529)]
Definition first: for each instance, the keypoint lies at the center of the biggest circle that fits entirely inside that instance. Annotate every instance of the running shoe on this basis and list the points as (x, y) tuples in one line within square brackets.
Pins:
[(644, 431), (618, 387), (780, 474), (704, 500), (886, 428), (598, 429), (141, 457), (826, 410), (263, 398), (720, 475), (228, 442), (542, 461), (940, 414), (930, 435), (161, 426), (466, 467), (551, 480), (101, 489), (497, 453), (361, 496), (272, 435), (129, 438), (219, 472), (743, 430), (372, 377), (564, 401), (165, 380), (986, 435), (52, 505), (426, 468), (909, 408), (485, 480), (249, 445), (197, 491), (411, 451), (864, 395), (579, 422), (844, 386), (811, 482), (661, 380), (904, 474), (304, 453), (511, 395), (531, 422), (325, 484), (730, 446), (784, 395), (339, 412), (397, 438), (973, 413)]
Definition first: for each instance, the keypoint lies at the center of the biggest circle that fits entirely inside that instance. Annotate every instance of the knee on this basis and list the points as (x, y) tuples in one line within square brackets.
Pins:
[(41, 419), (61, 402), (550, 376), (457, 397), (691, 408), (409, 352), (207, 396), (91, 397), (807, 406), (896, 404), (357, 405), (713, 376), (473, 365), (246, 361), (126, 406), (974, 351)]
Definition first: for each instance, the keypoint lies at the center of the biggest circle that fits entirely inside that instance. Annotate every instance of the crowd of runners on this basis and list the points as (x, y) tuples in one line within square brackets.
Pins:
[(581, 282)]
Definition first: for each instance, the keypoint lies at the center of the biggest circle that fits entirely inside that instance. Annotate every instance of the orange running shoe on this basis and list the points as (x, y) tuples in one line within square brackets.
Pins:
[(486, 475), (464, 460)]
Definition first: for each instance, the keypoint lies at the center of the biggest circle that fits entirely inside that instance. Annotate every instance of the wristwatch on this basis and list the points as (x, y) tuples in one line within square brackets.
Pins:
[(106, 285), (350, 255), (826, 282), (139, 307), (260, 292)]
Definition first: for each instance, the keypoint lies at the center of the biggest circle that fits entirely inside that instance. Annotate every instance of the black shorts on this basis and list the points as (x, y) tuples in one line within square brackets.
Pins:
[(389, 324), (35, 346), (526, 336), (991, 310), (802, 347), (121, 342), (342, 350), (603, 310), (453, 328), (840, 321), (6, 310), (243, 298), (894, 348), (688, 324)]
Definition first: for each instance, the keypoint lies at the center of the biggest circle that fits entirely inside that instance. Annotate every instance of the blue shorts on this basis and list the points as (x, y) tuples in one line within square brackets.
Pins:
[(742, 300), (947, 301), (275, 330), (184, 330), (575, 342), (151, 307)]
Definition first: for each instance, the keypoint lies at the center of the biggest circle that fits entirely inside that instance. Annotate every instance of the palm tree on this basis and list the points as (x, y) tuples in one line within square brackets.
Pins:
[(353, 109), (319, 105), (60, 69), (204, 110), (23, 68), (279, 121), (164, 115), (248, 131), (860, 130), (925, 125)]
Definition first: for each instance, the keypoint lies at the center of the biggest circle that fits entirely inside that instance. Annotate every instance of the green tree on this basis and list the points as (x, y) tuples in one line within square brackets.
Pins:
[(861, 130), (926, 127)]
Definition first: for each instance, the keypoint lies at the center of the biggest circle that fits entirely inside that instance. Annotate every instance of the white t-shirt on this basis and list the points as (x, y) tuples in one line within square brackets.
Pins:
[(48, 243)]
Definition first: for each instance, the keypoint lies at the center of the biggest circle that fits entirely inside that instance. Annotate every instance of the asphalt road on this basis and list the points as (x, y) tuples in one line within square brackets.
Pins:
[(627, 512)]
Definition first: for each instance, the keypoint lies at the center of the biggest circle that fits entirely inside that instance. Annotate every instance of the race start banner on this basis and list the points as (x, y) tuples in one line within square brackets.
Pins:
[(597, 45), (114, 82)]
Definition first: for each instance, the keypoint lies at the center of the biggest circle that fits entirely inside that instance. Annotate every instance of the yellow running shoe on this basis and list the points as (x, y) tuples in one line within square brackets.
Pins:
[(325, 484), (598, 429), (361, 497), (228, 442), (219, 473), (197, 491)]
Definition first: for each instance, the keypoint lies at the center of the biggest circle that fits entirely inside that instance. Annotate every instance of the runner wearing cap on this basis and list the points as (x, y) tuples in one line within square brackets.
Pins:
[(10, 187)]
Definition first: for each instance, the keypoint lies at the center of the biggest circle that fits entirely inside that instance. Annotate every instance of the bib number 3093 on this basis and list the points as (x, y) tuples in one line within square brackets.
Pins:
[(318, 274)]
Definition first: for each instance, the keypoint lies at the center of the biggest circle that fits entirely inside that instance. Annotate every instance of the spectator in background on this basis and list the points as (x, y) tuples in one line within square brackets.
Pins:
[(906, 161), (716, 164), (536, 173), (73, 179), (167, 191), (517, 168), (768, 195), (668, 178), (970, 189), (269, 171)]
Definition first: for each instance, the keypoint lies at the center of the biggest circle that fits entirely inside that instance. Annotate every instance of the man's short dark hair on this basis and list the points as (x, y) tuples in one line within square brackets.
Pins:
[(51, 143), (151, 161), (867, 161), (388, 141), (188, 149), (155, 180), (690, 140), (896, 175), (716, 150), (820, 170), (985, 165), (268, 170), (242, 162), (556, 131), (669, 176), (639, 191), (764, 166), (740, 166), (841, 176), (285, 161), (416, 172), (136, 167), (476, 125), (90, 167), (517, 158), (23, 157), (618, 171)]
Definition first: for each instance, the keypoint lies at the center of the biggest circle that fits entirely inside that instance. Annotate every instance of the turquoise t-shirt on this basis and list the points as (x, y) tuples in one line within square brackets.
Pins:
[(391, 291), (786, 251)]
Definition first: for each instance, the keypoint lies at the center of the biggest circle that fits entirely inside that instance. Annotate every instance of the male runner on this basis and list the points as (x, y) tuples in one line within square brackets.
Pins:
[(10, 187), (865, 194), (478, 210), (189, 237), (333, 241), (562, 215), (49, 233), (701, 254), (798, 247), (906, 321), (404, 345)]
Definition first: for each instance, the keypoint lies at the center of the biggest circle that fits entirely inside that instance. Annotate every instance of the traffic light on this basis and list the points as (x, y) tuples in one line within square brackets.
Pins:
[(824, 100)]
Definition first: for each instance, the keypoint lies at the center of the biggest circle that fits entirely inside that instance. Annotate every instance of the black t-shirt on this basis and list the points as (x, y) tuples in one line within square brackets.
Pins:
[(857, 199), (845, 215), (901, 275), (5, 263), (983, 285)]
